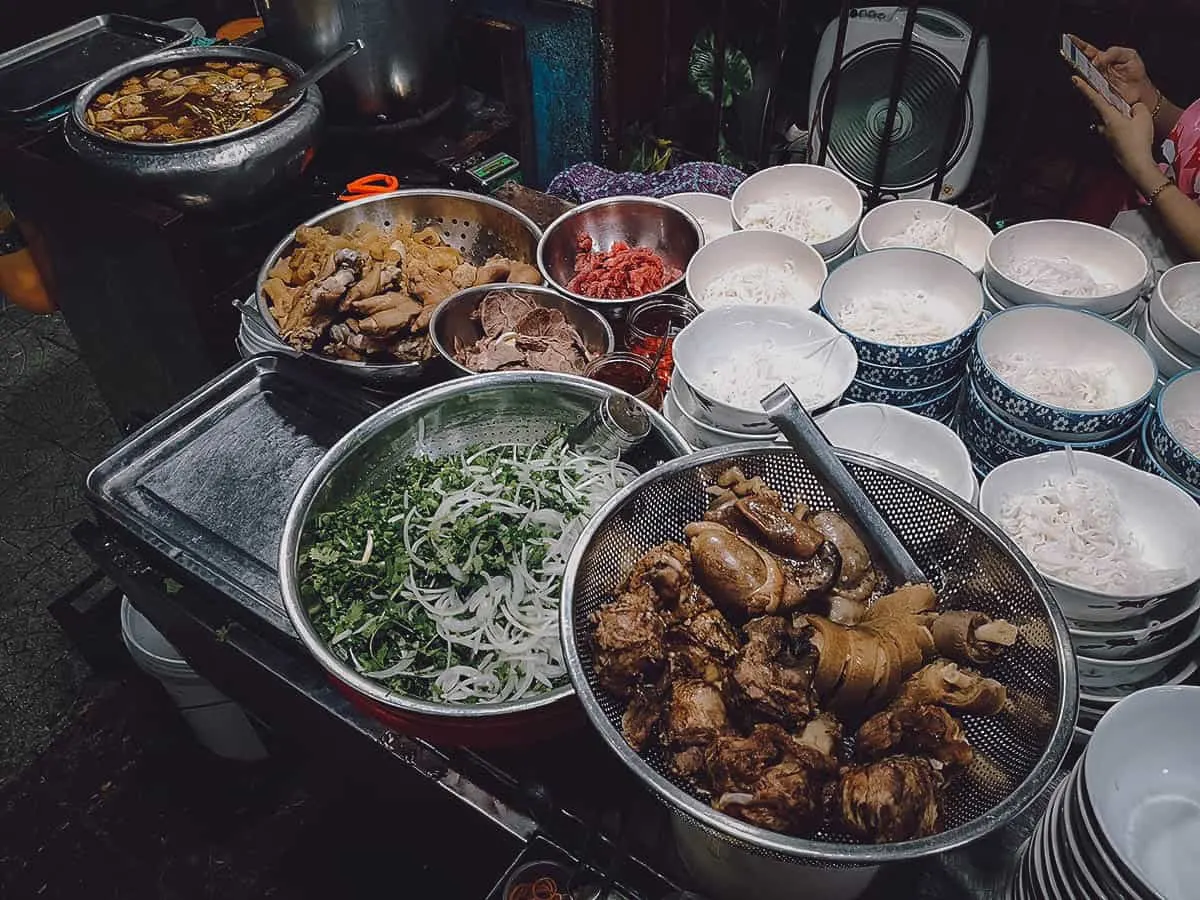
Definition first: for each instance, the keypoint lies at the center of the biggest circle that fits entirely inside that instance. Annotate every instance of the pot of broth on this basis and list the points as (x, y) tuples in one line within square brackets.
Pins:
[(196, 128)]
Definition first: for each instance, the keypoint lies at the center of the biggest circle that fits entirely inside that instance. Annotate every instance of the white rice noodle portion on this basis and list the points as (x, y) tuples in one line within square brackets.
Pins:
[(1060, 277), (1186, 428), (937, 234), (902, 317), (1072, 529), (1072, 386), (744, 378), (510, 623), (1187, 308), (810, 219), (759, 284)]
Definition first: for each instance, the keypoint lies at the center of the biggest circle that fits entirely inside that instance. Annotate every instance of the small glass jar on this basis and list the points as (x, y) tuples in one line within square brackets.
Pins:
[(655, 320), (630, 373)]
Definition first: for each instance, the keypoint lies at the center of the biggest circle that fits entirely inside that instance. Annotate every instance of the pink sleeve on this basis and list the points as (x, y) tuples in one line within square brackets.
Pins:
[(1184, 145)]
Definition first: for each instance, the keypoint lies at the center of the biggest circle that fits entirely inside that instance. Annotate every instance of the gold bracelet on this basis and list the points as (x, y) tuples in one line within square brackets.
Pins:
[(1158, 104), (1157, 191)]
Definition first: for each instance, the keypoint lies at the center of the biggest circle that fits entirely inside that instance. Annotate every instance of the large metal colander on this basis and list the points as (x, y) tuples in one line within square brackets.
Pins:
[(971, 564)]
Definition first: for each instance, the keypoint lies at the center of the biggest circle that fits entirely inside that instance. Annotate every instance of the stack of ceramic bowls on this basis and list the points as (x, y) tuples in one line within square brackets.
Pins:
[(806, 182), (728, 359), (922, 378), (1171, 434), (1000, 422), (1172, 339), (1124, 823), (888, 224), (921, 445), (1123, 640), (1114, 262)]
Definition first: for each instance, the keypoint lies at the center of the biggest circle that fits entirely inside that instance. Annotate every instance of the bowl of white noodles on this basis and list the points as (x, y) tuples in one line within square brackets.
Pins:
[(810, 203), (1067, 264), (756, 268), (926, 225)]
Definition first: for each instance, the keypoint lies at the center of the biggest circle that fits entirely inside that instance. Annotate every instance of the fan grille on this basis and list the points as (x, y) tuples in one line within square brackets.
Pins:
[(926, 108)]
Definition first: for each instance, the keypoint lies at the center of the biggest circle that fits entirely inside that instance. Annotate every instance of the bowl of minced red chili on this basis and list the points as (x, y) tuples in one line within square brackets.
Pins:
[(619, 250)]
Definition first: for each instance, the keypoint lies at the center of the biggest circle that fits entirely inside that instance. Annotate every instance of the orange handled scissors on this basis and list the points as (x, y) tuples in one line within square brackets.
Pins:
[(369, 185)]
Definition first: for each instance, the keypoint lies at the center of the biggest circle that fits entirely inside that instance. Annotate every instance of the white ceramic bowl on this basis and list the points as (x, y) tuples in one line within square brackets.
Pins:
[(1099, 701), (1169, 357), (804, 181), (698, 434), (1176, 283), (1109, 256), (993, 302), (1142, 778), (712, 211), (744, 333), (1130, 674), (744, 248), (1069, 337), (905, 269), (1164, 518), (1139, 637), (971, 235), (924, 446)]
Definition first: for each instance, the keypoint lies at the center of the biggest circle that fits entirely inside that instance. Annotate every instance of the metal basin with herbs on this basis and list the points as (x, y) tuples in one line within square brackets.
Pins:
[(421, 560)]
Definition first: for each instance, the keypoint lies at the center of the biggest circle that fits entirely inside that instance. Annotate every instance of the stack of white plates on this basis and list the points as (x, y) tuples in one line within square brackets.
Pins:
[(728, 359), (1123, 642), (1125, 823)]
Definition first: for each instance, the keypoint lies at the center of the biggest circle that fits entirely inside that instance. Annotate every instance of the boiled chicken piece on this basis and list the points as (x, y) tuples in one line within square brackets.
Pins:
[(918, 730), (895, 799)]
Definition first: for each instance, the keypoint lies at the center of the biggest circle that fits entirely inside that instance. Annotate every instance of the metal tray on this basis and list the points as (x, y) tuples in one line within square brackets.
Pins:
[(209, 482), (38, 76)]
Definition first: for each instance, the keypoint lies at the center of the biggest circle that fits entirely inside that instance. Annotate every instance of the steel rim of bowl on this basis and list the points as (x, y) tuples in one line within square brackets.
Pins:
[(483, 290), (95, 88), (804, 849), (979, 354), (604, 201), (310, 488), (278, 251)]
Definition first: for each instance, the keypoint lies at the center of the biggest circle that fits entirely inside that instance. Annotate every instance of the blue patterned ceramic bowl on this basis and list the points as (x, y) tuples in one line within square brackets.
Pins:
[(904, 269), (1022, 443), (1067, 337), (902, 378), (863, 392), (1144, 459), (940, 407), (1178, 402), (982, 444)]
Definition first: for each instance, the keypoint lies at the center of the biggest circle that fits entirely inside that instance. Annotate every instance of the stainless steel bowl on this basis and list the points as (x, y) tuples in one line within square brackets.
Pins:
[(639, 221), (496, 407), (212, 173), (455, 319), (973, 565), (476, 226)]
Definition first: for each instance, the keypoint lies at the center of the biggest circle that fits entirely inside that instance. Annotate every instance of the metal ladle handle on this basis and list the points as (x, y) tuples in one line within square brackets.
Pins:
[(793, 420), (282, 98)]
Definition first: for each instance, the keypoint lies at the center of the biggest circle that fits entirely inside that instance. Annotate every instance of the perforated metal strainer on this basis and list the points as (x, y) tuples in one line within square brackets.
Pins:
[(973, 566)]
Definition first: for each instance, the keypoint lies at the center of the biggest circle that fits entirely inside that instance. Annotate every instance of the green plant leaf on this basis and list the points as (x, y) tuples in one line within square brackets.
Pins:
[(738, 77)]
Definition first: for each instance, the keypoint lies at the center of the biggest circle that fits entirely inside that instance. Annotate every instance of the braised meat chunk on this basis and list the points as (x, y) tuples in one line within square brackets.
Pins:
[(774, 671), (629, 641), (918, 730), (946, 684), (972, 638), (895, 799), (695, 714)]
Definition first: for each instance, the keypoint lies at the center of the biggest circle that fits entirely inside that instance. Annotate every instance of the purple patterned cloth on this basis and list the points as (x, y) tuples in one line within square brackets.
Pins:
[(586, 181)]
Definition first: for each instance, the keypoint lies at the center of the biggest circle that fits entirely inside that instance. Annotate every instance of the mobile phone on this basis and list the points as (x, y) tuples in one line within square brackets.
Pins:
[(1087, 69)]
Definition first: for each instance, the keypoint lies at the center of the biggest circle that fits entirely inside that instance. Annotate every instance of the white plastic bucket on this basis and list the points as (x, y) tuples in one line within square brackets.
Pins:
[(218, 723)]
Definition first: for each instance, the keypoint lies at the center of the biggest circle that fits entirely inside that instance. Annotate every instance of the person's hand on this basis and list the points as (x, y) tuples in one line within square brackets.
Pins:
[(1131, 137), (1124, 70)]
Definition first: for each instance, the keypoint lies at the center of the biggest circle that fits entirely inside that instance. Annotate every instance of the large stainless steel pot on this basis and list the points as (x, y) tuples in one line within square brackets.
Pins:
[(212, 173), (404, 71)]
